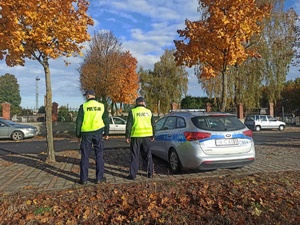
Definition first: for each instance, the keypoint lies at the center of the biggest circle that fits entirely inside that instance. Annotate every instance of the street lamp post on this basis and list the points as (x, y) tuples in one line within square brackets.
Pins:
[(37, 94)]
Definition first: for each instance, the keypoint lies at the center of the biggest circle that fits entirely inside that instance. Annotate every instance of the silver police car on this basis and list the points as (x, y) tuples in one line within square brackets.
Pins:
[(16, 131), (195, 139)]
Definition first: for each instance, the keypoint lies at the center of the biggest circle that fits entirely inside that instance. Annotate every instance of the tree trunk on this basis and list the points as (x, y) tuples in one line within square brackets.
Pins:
[(112, 112), (116, 109), (48, 109), (224, 92), (237, 91)]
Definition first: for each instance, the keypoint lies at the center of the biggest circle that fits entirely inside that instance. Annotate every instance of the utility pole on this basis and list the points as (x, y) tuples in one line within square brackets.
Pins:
[(37, 94)]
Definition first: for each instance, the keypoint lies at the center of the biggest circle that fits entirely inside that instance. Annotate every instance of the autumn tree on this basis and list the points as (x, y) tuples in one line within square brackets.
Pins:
[(278, 38), (291, 97), (43, 30), (124, 81), (275, 46), (10, 92), (268, 72), (289, 101), (190, 102), (220, 40), (109, 70), (150, 87), (167, 83), (296, 59), (96, 66)]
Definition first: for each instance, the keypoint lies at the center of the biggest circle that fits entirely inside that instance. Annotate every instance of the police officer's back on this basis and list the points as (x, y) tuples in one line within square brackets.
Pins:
[(139, 132), (92, 121)]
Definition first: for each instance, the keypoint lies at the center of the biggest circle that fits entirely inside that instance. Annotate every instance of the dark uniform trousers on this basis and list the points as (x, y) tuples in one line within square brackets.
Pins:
[(140, 145), (86, 146)]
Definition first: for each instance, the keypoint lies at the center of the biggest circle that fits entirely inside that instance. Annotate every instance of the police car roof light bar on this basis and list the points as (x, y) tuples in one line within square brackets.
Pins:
[(188, 110)]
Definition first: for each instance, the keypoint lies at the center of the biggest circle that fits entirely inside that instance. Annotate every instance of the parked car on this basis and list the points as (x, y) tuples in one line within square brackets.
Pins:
[(290, 119), (259, 122), (117, 125), (16, 131), (195, 139)]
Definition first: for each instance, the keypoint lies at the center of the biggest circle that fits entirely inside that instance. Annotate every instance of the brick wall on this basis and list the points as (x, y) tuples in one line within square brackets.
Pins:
[(6, 110)]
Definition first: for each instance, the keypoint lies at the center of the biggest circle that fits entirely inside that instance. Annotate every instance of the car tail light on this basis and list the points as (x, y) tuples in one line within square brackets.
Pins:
[(194, 136), (248, 133)]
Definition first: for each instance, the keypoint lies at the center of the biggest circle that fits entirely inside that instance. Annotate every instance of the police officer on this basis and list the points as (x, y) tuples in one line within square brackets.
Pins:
[(91, 123), (139, 132)]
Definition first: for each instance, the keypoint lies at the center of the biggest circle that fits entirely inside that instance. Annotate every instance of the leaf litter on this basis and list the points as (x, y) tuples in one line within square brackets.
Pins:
[(264, 198)]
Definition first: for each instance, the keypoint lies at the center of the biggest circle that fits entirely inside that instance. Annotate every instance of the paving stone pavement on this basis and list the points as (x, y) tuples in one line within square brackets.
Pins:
[(29, 172)]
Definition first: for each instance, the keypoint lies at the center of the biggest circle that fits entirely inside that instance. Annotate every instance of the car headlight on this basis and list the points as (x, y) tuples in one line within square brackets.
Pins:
[(30, 129)]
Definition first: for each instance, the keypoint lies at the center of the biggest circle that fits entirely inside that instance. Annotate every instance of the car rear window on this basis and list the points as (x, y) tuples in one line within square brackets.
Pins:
[(251, 118), (218, 123)]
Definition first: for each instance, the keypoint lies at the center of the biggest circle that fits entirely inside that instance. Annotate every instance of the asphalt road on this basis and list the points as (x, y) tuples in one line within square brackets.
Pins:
[(38, 145), (273, 136)]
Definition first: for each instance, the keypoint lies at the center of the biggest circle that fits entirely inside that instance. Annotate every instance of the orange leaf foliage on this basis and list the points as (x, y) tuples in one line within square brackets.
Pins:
[(116, 78), (124, 82), (37, 28), (234, 199), (219, 41)]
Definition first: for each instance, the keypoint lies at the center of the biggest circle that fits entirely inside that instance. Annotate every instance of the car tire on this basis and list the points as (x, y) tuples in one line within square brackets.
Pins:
[(281, 128), (257, 128), (174, 161), (17, 135)]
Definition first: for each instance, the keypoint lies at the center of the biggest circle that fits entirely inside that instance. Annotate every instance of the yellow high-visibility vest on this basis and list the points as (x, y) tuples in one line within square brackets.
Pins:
[(142, 126), (92, 116)]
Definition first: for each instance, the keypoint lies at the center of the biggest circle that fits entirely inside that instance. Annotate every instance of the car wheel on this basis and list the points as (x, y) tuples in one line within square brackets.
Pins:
[(281, 128), (174, 161), (257, 128), (17, 135)]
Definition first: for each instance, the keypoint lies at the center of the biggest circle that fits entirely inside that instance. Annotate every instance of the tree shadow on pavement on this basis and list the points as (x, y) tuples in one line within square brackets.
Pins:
[(56, 169)]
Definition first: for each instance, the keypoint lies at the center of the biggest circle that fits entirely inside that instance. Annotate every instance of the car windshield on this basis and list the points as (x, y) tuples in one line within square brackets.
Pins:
[(9, 122), (119, 121), (218, 123)]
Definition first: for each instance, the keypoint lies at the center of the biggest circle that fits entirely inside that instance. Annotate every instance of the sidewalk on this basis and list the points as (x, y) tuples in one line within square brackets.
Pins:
[(29, 172)]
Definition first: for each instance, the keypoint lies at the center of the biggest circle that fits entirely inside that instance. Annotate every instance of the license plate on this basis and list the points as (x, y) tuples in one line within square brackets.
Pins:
[(227, 142)]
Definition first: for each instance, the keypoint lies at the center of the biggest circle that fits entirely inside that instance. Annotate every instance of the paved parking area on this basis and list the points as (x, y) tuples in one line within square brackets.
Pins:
[(29, 172)]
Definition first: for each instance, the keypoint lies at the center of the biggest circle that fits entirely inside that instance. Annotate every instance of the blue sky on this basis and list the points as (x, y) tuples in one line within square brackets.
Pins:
[(145, 28)]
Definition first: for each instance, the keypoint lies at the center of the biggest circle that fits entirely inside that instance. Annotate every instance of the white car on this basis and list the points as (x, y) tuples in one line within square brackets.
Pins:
[(117, 125), (259, 122)]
